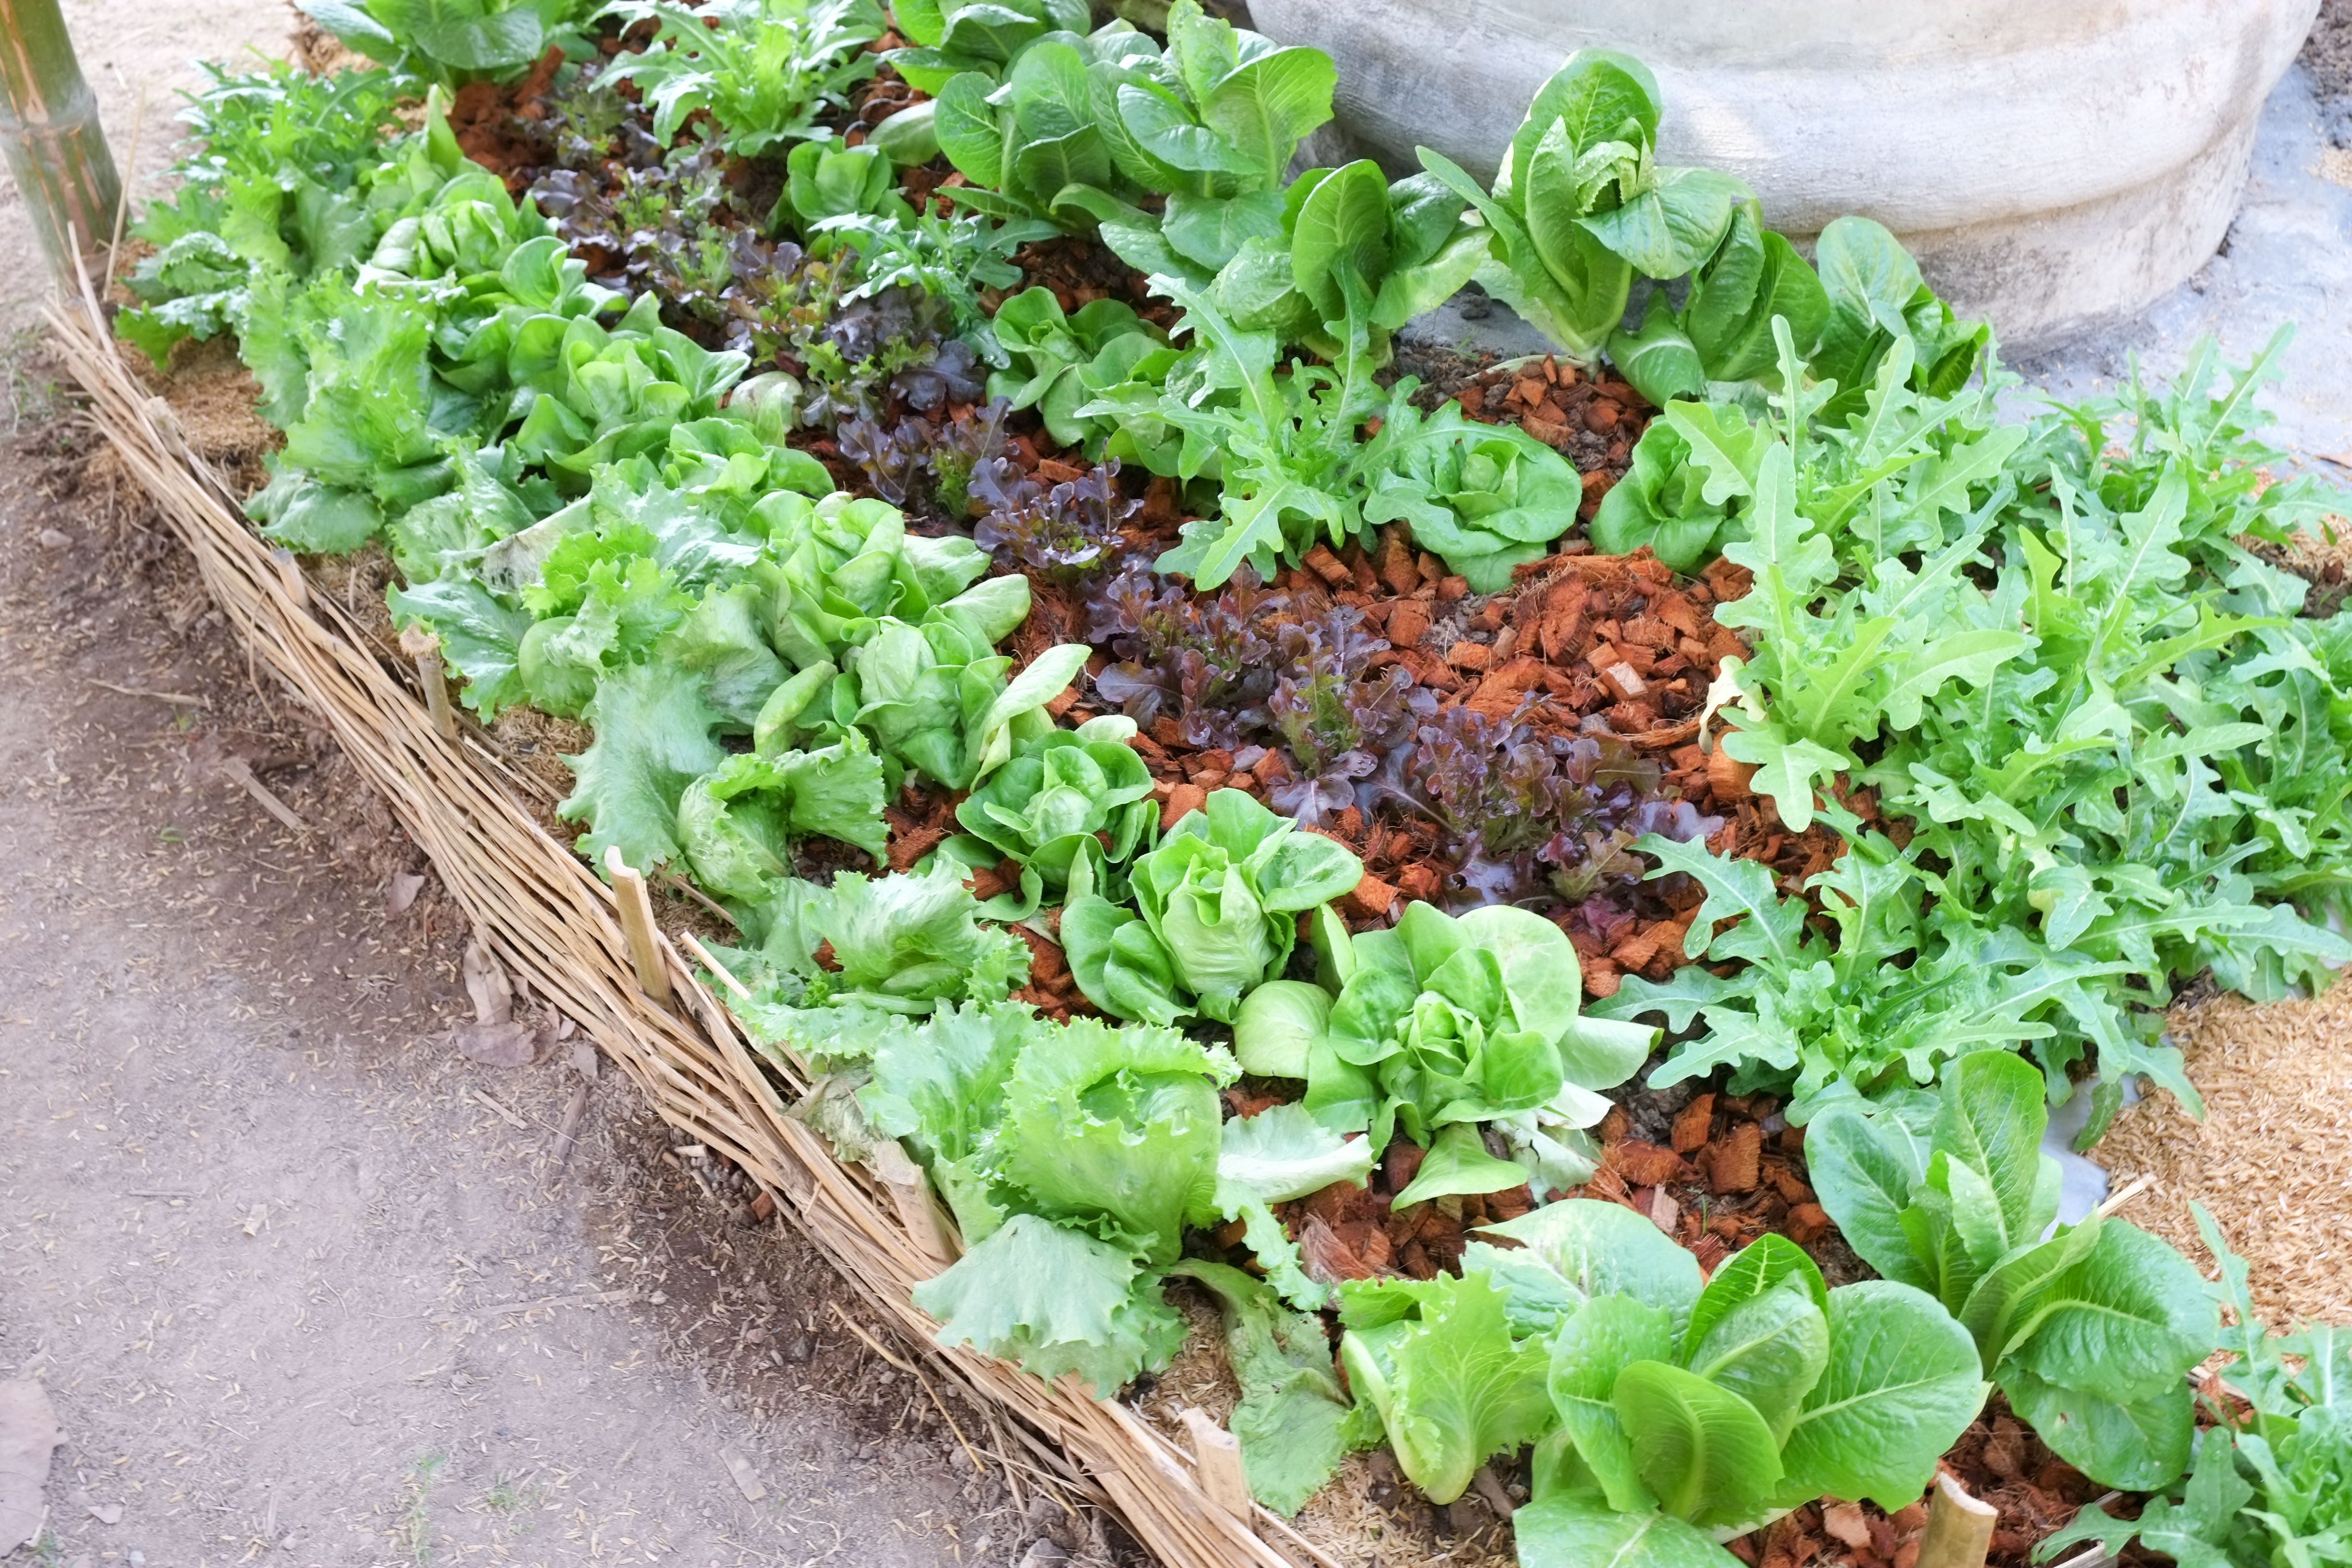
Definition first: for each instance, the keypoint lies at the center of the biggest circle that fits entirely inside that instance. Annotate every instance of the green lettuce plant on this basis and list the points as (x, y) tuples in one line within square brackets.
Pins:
[(826, 179), (452, 42), (937, 696), (2269, 1484), (1108, 1148), (1216, 909), (1486, 498), (1580, 204), (2089, 1330), (1051, 354), (280, 184), (908, 943), (1293, 1423), (946, 39), (1447, 1020), (738, 824), (1069, 806), (762, 69), (1675, 1436)]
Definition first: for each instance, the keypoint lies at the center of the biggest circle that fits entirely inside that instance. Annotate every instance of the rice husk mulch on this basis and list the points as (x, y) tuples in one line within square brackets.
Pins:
[(2272, 1158)]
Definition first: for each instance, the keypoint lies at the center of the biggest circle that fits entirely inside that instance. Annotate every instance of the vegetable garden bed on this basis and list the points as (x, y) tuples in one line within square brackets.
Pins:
[(1202, 828)]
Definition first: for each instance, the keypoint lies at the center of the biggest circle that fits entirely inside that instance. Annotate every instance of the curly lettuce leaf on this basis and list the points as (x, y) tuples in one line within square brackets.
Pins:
[(1056, 1301)]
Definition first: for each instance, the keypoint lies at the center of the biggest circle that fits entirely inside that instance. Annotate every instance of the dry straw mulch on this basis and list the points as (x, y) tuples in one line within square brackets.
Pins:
[(2272, 1158)]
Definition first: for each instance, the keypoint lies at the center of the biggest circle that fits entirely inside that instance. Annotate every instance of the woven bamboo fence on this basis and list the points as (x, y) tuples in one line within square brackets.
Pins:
[(542, 913)]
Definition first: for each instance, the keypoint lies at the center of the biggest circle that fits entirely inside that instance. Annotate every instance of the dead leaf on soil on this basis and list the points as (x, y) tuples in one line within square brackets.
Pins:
[(401, 892), (513, 1044), (29, 1434), (487, 984)]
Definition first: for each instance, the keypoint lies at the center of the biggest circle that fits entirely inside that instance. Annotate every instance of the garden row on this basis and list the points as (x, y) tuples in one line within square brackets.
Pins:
[(1238, 815)]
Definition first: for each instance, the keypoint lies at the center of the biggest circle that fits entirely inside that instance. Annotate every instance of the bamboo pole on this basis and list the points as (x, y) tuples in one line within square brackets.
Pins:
[(56, 150)]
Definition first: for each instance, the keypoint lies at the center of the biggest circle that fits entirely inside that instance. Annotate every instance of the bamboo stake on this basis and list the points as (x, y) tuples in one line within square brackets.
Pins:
[(426, 649), (1217, 1462), (50, 131), (910, 1195), (637, 926), (1960, 1528)]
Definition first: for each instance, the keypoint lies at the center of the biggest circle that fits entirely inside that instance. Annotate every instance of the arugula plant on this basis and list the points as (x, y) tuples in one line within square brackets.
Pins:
[(2274, 1484), (762, 69), (452, 42), (2089, 1330), (1216, 909), (1581, 205)]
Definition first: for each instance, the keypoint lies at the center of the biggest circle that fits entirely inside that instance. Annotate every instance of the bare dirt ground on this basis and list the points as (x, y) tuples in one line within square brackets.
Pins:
[(304, 1282)]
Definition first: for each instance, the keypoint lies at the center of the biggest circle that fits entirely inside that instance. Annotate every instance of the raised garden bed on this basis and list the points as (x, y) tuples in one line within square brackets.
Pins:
[(1470, 925)]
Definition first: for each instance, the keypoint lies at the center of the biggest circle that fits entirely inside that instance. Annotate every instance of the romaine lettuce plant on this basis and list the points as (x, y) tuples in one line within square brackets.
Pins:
[(1216, 909), (1777, 1391), (2090, 1329), (948, 38), (1580, 204), (2270, 1484)]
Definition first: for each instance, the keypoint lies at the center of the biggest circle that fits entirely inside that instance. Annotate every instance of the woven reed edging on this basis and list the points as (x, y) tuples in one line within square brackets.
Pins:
[(542, 912)]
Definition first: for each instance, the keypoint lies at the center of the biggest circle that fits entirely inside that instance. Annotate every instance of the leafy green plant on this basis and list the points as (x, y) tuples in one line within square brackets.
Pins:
[(948, 39), (452, 42), (1581, 205), (280, 181), (1106, 1148), (1777, 1390), (764, 69), (1445, 1020), (1216, 912), (1069, 806), (1052, 355), (1295, 1423), (825, 179), (1844, 320), (737, 824), (2089, 1330), (2274, 1484), (1080, 123), (1486, 498)]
